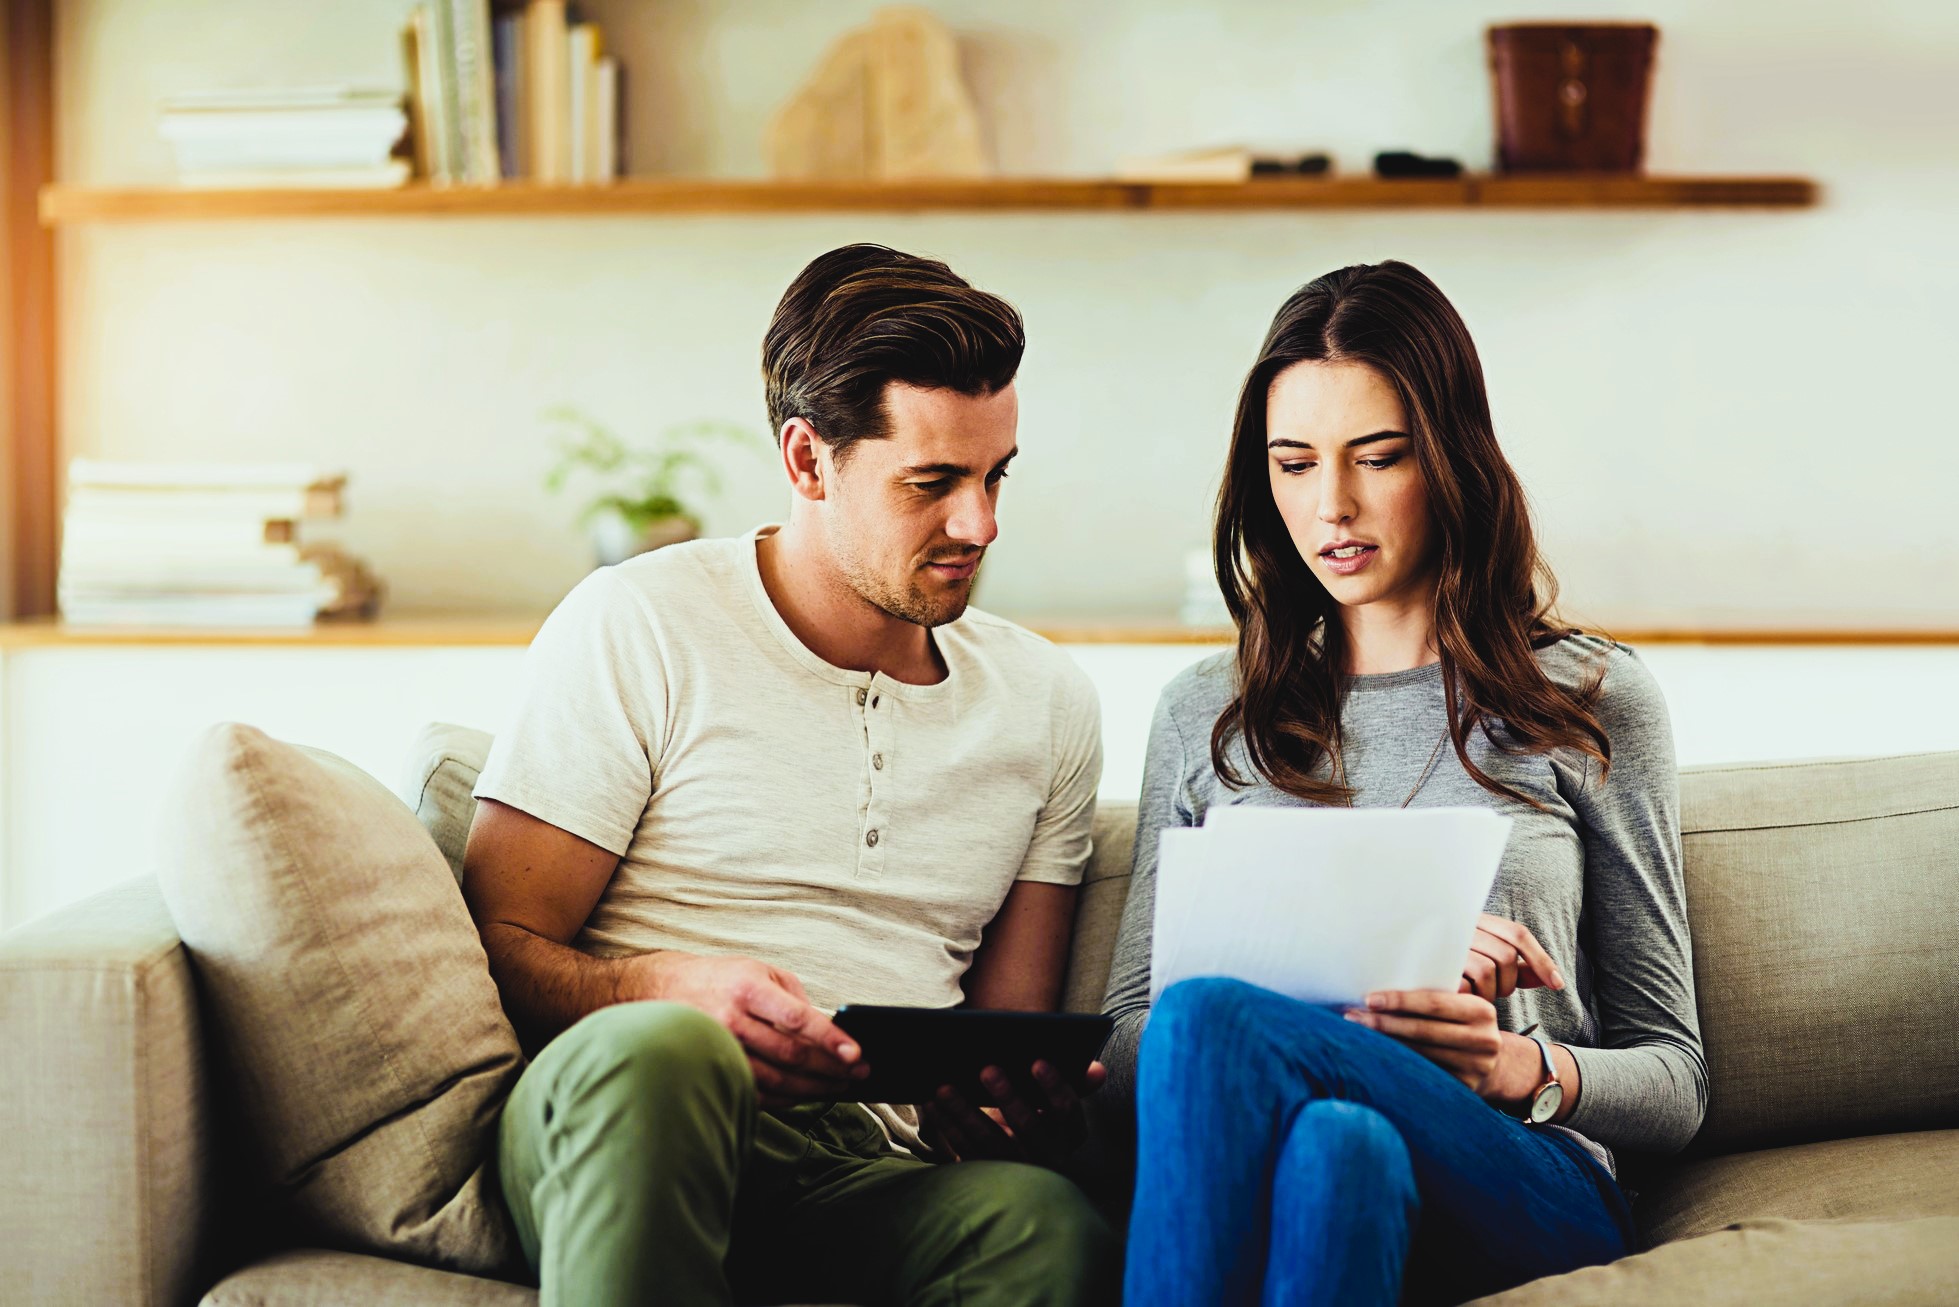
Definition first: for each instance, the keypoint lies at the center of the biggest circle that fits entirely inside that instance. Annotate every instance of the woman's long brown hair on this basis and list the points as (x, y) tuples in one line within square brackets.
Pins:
[(1493, 595)]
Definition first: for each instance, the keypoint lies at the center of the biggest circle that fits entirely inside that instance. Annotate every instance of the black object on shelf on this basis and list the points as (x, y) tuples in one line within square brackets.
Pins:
[(1405, 163), (1306, 165)]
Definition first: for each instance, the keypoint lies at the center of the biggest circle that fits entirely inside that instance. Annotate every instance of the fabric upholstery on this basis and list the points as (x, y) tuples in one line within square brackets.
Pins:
[(350, 998), (439, 783), (1098, 912), (1817, 1263), (1879, 1177), (105, 1114), (1824, 904), (315, 1278)]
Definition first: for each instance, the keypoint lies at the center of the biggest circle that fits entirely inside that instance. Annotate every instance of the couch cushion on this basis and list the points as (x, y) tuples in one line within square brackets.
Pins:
[(310, 1277), (1098, 912), (1817, 1263), (439, 783), (1880, 1177), (1824, 900), (349, 996)]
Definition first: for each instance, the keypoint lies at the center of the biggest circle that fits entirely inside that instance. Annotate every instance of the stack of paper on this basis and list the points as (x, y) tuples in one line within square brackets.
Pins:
[(326, 137), (148, 544), (1324, 904)]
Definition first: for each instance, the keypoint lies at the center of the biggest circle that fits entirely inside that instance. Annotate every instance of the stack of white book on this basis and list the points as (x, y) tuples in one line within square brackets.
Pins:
[(325, 137), (147, 544)]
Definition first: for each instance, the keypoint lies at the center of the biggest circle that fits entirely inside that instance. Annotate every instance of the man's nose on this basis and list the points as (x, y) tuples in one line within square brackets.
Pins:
[(973, 521)]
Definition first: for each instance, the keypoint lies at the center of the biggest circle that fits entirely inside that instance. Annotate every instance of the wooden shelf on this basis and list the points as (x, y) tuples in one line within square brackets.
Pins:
[(61, 205)]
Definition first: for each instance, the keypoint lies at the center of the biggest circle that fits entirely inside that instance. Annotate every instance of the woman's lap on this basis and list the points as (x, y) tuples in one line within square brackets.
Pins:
[(1501, 1202)]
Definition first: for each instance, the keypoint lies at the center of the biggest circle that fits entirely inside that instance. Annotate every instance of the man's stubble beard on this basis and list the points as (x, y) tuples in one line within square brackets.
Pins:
[(908, 602)]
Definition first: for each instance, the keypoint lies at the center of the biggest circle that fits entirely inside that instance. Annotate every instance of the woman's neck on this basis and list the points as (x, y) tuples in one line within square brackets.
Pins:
[(1390, 636)]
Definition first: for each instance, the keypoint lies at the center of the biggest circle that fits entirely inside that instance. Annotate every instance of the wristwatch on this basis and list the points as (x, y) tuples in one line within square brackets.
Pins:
[(1548, 1097)]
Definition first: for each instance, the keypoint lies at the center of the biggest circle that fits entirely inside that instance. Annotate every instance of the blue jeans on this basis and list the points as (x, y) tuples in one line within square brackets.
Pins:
[(1288, 1155)]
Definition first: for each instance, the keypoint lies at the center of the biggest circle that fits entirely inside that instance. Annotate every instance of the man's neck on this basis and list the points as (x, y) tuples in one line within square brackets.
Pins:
[(1390, 635), (832, 620)]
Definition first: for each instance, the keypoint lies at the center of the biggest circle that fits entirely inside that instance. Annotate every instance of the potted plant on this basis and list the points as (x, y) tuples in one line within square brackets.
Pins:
[(643, 500)]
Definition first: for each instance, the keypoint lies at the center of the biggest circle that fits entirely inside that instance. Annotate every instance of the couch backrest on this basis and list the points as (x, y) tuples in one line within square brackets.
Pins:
[(1824, 903), (1823, 899)]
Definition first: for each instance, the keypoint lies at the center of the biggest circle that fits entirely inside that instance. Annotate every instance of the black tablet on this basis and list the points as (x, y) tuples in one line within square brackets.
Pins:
[(914, 1050)]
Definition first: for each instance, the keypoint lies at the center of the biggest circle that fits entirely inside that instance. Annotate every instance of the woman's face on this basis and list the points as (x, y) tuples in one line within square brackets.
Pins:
[(1345, 481)]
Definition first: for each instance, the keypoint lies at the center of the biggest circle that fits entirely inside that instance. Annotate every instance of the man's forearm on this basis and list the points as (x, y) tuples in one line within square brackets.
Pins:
[(547, 986)]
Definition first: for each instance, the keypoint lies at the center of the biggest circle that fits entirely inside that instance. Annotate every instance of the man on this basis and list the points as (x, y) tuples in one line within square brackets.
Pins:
[(752, 780)]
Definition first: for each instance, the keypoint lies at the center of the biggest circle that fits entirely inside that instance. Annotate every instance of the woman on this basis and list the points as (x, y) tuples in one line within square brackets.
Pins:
[(1393, 650)]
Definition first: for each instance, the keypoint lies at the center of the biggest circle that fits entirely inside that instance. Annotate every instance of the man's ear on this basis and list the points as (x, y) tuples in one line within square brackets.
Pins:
[(804, 459)]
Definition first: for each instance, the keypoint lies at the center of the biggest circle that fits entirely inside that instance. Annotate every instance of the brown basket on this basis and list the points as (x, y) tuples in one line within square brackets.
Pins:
[(1571, 97)]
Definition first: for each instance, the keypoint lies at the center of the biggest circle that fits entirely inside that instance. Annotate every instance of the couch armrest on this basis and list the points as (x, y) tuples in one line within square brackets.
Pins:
[(105, 1138)]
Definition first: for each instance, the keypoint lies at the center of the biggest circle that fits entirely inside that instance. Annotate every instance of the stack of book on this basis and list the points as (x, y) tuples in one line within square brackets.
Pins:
[(325, 137), (164, 545), (523, 92)]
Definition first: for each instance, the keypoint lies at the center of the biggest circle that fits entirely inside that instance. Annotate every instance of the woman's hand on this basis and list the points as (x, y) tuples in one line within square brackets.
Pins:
[(1457, 1032), (1505, 957)]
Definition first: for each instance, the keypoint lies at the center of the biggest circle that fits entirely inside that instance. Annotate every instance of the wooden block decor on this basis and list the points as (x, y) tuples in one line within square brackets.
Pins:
[(887, 103)]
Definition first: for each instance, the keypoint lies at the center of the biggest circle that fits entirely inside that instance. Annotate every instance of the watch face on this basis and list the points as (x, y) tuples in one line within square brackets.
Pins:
[(1546, 1104)]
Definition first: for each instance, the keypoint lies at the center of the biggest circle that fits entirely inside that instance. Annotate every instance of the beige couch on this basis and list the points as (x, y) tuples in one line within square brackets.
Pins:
[(1824, 899)]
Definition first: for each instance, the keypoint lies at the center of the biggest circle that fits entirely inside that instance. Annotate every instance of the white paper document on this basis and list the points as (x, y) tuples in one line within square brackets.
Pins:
[(1324, 904)]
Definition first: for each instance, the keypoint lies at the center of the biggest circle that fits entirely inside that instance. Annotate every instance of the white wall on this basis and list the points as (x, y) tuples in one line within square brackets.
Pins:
[(89, 737), (1723, 417)]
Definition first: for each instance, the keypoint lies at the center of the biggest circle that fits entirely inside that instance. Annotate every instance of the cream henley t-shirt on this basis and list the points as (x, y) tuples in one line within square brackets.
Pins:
[(857, 831)]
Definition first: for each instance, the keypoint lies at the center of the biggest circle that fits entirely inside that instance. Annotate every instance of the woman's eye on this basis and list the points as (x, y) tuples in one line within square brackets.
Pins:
[(1293, 469), (1384, 461)]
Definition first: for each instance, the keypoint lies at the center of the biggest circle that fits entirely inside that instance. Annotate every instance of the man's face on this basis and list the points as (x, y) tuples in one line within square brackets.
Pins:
[(910, 515)]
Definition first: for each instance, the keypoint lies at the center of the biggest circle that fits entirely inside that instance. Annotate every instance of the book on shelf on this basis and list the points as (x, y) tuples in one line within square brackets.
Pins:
[(110, 474), (1223, 165)]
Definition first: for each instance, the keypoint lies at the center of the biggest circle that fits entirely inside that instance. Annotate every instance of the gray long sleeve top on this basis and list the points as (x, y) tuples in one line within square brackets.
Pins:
[(1595, 875)]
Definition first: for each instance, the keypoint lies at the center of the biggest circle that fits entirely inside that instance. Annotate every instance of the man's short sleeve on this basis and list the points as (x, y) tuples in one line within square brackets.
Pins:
[(1064, 832), (580, 751)]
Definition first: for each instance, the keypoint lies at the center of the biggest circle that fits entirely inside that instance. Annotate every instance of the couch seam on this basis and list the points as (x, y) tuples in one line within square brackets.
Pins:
[(1820, 821), (1723, 769)]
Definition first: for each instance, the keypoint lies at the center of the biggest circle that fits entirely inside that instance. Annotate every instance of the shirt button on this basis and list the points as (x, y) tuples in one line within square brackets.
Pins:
[(877, 761), (871, 839), (861, 696)]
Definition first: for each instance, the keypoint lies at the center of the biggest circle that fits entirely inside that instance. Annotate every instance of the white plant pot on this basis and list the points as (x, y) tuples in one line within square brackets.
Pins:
[(614, 540)]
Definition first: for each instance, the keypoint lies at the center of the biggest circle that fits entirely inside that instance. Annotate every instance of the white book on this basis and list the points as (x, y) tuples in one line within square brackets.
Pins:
[(279, 98), (476, 89), (146, 505), (381, 121), (104, 583), (237, 612), (386, 177), (202, 476), (582, 56)]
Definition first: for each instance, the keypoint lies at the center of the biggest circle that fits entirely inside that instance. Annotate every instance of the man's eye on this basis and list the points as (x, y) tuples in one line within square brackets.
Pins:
[(934, 487), (997, 477)]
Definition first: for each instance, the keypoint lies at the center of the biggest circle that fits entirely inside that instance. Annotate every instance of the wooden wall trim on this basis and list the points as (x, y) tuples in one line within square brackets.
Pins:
[(31, 449)]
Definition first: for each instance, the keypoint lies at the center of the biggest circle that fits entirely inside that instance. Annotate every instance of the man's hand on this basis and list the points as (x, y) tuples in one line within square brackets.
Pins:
[(1043, 1128), (797, 1055), (1505, 957)]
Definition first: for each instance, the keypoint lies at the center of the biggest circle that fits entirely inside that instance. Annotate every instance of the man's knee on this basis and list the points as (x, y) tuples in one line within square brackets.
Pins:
[(651, 1054), (1032, 1226)]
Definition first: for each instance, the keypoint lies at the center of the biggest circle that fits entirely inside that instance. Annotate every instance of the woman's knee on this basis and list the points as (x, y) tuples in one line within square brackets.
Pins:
[(1356, 1143), (1209, 1011)]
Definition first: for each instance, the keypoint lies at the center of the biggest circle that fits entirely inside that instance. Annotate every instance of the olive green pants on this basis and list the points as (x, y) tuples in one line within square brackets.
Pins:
[(639, 1170)]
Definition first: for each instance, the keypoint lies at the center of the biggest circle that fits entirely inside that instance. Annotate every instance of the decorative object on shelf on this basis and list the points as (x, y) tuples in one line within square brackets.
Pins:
[(1404, 163), (205, 545), (887, 102), (327, 137), (1571, 97), (644, 503)]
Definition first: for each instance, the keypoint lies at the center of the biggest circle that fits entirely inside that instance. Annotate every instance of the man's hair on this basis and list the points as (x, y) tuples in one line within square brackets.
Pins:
[(863, 316)]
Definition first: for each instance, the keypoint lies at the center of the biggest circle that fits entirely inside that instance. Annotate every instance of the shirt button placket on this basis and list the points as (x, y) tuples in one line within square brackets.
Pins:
[(870, 854)]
